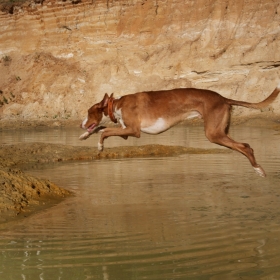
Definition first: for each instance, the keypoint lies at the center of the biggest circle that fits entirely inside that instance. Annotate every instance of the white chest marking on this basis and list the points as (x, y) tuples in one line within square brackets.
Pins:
[(160, 125), (118, 116)]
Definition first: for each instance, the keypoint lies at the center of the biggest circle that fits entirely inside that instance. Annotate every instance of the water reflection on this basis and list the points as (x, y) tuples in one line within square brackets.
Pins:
[(184, 136), (187, 217)]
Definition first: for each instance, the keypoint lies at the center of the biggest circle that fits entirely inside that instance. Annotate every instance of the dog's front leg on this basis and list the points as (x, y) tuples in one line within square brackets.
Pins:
[(119, 131), (87, 134)]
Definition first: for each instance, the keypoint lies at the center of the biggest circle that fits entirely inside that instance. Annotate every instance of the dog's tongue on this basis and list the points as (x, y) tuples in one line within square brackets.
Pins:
[(90, 129)]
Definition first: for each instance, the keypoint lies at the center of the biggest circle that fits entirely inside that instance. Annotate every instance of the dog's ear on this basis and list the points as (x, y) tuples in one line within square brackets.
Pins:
[(111, 96), (104, 101)]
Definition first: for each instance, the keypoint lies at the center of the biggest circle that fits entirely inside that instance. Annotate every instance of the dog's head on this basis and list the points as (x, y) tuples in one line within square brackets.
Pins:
[(95, 115)]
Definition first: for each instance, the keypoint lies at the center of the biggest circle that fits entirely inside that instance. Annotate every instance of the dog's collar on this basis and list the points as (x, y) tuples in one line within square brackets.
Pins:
[(110, 109)]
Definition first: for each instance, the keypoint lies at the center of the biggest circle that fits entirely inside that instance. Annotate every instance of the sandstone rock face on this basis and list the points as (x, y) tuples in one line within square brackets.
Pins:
[(60, 57)]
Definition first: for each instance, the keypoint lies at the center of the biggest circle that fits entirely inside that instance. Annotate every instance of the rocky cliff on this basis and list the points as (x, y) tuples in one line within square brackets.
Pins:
[(60, 57)]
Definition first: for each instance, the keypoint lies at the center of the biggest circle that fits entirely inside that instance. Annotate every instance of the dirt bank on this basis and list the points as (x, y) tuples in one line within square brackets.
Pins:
[(57, 57), (22, 194)]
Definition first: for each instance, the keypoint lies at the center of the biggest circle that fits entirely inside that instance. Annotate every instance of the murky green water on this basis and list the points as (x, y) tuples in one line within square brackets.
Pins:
[(186, 217)]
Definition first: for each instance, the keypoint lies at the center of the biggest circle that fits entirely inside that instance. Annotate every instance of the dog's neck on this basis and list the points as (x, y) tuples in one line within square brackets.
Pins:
[(110, 109)]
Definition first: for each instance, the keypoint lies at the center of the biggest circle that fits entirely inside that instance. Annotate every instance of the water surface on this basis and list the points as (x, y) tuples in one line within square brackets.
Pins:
[(185, 217)]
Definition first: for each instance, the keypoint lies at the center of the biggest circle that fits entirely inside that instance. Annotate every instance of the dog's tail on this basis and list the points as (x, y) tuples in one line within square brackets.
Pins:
[(259, 105)]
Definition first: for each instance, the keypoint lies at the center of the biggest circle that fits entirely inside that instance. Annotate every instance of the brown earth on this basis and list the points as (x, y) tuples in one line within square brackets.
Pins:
[(59, 57), (22, 194)]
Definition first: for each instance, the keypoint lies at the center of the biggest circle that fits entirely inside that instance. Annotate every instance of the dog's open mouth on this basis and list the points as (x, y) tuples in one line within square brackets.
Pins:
[(91, 128), (89, 131)]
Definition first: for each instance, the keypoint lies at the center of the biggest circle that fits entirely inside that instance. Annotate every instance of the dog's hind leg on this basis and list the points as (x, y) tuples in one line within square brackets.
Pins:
[(243, 148), (216, 131)]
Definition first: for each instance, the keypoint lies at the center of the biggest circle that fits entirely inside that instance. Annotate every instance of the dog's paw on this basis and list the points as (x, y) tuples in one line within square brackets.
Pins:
[(84, 136), (260, 171), (100, 147)]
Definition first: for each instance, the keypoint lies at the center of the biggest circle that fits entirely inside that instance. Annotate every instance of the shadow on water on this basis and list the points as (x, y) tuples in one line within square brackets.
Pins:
[(185, 217)]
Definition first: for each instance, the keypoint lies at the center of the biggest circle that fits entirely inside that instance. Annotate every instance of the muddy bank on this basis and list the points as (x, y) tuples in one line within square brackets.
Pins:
[(22, 194), (15, 155)]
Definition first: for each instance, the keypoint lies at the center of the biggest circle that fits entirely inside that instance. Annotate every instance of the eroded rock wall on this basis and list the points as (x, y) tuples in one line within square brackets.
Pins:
[(60, 57)]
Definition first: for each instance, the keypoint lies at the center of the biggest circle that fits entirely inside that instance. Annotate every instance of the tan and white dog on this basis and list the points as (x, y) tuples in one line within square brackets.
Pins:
[(156, 111)]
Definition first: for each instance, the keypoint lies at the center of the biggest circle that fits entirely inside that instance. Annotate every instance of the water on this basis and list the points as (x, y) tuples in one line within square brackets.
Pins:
[(185, 217)]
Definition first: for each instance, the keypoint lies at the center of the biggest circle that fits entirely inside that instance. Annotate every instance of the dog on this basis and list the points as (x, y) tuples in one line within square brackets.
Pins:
[(156, 111)]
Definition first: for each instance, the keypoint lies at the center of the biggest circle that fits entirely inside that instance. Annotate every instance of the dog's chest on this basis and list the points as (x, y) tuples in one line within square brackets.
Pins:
[(118, 116)]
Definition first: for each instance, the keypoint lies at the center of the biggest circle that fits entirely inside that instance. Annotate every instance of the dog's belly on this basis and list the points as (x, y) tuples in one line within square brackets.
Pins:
[(161, 124), (156, 127)]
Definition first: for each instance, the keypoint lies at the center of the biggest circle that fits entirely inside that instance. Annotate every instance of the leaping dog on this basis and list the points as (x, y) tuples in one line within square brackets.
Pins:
[(156, 111)]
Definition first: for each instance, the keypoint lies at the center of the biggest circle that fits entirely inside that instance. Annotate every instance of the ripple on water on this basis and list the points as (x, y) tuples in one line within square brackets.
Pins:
[(188, 217)]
